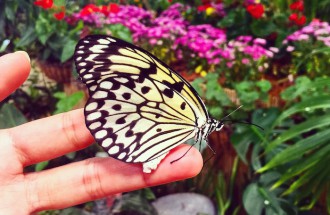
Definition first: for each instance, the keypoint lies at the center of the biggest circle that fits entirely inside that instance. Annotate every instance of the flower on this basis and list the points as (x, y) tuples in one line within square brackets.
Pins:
[(209, 11), (259, 41), (289, 48), (298, 5), (59, 15), (114, 8), (46, 4), (297, 20), (301, 20), (89, 9), (293, 17), (202, 8), (256, 10)]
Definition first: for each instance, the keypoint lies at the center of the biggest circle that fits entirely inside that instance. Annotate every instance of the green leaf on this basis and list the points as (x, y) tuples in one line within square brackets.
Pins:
[(264, 85), (29, 37), (262, 27), (298, 150), (10, 116), (122, 32), (316, 102), (68, 50), (197, 85), (252, 200), (66, 103)]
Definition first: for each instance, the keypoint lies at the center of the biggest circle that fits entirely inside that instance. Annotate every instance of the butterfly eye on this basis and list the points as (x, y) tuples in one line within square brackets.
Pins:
[(138, 108)]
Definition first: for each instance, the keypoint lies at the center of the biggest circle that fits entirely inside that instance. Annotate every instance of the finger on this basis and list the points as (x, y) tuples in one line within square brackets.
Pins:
[(99, 177), (14, 71), (50, 137)]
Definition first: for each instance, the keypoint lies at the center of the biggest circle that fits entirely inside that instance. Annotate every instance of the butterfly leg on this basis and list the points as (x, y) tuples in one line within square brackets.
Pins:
[(198, 139), (213, 152)]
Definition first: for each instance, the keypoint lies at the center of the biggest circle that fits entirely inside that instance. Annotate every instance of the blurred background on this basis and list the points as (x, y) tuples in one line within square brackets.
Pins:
[(272, 57)]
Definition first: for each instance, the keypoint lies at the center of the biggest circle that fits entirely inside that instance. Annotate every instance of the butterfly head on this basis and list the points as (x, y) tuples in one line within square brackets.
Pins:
[(219, 125), (216, 125)]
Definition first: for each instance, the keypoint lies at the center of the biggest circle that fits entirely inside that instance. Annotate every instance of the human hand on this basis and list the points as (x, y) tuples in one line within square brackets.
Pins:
[(58, 135)]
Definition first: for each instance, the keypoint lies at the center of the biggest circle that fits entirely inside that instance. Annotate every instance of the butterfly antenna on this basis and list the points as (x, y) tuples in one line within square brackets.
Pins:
[(244, 122), (231, 113)]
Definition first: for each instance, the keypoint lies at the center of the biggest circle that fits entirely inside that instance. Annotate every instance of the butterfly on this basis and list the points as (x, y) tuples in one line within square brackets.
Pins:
[(138, 107)]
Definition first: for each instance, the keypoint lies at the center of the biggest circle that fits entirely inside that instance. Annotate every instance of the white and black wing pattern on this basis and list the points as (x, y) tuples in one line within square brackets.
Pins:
[(138, 108)]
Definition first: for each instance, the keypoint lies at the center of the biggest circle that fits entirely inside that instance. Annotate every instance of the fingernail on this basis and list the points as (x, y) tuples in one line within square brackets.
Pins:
[(25, 54)]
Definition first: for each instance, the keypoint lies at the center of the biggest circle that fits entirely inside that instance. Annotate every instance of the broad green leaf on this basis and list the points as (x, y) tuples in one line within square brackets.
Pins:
[(252, 200), (29, 37), (68, 50), (122, 32), (197, 85), (66, 103), (10, 116), (264, 85)]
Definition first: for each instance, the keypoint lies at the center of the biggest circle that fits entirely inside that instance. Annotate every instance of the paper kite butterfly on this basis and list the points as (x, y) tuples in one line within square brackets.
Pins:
[(139, 108)]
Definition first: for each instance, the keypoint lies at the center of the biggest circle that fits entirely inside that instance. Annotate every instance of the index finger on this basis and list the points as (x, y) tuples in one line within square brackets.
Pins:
[(14, 70)]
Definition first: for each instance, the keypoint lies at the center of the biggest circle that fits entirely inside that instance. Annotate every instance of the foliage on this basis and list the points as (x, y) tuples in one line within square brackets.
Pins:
[(48, 35), (66, 103), (10, 116), (296, 154)]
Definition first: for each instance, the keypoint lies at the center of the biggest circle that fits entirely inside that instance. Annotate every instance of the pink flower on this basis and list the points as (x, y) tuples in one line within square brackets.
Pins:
[(260, 41), (274, 49), (245, 61), (289, 48)]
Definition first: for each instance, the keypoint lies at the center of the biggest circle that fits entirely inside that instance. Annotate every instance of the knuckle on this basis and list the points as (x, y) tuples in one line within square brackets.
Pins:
[(91, 180), (69, 128)]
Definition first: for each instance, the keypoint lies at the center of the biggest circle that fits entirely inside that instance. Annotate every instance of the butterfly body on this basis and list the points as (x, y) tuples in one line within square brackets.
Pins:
[(139, 108)]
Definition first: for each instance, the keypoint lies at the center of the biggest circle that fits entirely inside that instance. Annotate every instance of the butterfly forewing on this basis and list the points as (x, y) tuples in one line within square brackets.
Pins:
[(138, 108)]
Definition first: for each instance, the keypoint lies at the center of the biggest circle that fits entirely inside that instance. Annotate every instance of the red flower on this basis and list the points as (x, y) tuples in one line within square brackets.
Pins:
[(298, 5), (89, 9), (114, 8), (46, 4), (297, 20), (293, 17), (301, 20), (59, 15), (104, 9), (256, 10), (203, 7)]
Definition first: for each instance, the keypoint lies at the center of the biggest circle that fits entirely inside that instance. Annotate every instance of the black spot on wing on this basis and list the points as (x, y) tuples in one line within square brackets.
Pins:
[(177, 86), (168, 93), (126, 96), (121, 120), (116, 107), (145, 90), (183, 106), (129, 133)]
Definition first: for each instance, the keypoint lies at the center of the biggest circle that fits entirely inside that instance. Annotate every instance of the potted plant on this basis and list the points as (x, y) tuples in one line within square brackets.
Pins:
[(52, 39)]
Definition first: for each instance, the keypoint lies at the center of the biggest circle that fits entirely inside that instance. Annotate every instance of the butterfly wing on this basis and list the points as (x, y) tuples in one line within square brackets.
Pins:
[(138, 108)]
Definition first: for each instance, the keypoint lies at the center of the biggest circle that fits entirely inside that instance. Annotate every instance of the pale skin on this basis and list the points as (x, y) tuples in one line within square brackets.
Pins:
[(73, 183)]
